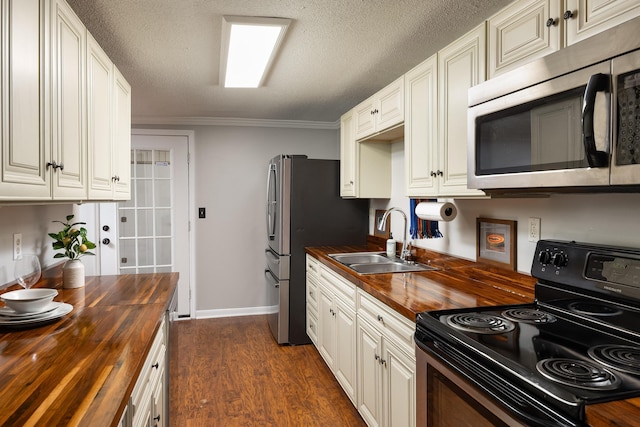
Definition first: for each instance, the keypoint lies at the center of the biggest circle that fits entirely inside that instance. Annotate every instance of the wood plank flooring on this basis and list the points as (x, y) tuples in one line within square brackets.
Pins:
[(230, 372)]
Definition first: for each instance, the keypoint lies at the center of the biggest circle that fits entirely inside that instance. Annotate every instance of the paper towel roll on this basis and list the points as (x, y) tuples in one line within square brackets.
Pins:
[(433, 211)]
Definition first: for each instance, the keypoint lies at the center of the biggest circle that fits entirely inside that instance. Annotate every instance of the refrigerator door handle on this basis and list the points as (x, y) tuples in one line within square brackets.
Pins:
[(271, 201)]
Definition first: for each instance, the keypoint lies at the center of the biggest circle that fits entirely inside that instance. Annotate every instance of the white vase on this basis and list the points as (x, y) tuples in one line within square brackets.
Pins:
[(73, 274)]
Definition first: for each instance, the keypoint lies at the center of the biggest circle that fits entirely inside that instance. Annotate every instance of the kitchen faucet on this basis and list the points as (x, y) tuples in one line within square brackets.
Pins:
[(382, 225)]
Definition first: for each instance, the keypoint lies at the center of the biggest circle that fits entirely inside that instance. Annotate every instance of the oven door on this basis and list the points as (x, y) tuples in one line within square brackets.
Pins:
[(537, 137), (454, 389)]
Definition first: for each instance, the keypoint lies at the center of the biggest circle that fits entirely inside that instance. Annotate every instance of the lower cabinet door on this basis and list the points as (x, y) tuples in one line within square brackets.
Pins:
[(345, 355), (399, 387), (369, 374)]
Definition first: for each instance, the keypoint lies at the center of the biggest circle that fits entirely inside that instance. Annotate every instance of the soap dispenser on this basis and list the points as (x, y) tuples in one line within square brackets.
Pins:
[(391, 246)]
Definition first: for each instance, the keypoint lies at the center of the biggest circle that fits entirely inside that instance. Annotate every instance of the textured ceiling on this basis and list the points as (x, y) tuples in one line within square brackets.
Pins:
[(335, 54)]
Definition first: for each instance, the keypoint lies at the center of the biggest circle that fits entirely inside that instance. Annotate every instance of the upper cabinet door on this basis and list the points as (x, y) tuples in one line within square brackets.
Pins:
[(585, 18), (68, 127), (25, 100), (523, 31), (348, 160), (421, 129), (390, 109), (365, 119), (122, 137), (99, 123), (460, 66)]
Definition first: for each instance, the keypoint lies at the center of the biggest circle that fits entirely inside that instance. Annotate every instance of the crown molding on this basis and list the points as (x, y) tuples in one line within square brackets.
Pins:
[(231, 121)]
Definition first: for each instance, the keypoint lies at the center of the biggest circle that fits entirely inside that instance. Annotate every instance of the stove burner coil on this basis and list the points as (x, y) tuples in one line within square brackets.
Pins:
[(624, 358), (594, 308), (479, 323), (528, 315), (578, 373)]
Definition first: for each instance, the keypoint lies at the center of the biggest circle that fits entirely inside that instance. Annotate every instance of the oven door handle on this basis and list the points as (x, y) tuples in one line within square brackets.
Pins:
[(597, 83)]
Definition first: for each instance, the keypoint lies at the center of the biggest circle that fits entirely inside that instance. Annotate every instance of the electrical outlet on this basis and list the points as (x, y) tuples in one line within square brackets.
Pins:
[(534, 229), (17, 245)]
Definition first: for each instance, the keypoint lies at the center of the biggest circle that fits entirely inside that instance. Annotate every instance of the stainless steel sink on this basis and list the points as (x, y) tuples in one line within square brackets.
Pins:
[(361, 258), (377, 263)]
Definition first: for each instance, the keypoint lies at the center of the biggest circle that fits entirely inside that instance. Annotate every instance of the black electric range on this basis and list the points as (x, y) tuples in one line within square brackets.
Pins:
[(577, 344)]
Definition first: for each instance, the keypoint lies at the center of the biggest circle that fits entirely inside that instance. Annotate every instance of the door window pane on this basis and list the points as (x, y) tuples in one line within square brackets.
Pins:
[(145, 227)]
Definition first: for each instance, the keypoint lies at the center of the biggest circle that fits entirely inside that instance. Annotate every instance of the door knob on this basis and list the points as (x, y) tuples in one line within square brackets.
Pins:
[(106, 241)]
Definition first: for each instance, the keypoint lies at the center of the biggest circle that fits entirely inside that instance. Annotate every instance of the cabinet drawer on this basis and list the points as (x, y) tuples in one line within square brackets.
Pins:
[(313, 267), (312, 324), (312, 292), (388, 321), (342, 288)]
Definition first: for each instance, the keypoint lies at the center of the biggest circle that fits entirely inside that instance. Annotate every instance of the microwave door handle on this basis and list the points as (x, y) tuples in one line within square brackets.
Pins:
[(597, 83)]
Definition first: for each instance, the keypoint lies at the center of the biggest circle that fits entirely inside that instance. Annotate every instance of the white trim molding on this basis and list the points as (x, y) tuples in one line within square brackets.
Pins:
[(235, 312), (231, 121)]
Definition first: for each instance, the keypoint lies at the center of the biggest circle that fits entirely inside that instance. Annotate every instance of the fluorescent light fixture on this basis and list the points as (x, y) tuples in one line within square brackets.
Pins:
[(249, 45)]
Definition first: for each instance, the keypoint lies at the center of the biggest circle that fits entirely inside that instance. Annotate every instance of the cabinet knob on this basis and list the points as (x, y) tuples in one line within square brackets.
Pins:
[(568, 15), (106, 241), (380, 319), (156, 419), (105, 228), (440, 173), (156, 365), (432, 173), (551, 22)]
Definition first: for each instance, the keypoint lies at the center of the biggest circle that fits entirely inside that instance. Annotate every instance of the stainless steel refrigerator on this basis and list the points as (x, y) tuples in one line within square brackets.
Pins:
[(304, 208)]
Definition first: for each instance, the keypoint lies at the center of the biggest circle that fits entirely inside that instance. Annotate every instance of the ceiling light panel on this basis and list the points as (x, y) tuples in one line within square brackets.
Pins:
[(249, 46)]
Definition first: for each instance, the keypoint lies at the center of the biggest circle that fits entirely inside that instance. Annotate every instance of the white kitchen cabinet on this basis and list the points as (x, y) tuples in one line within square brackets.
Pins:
[(523, 31), (312, 297), (530, 29), (122, 137), (365, 166), (348, 157), (109, 127), (99, 121), (386, 365), (148, 401), (25, 100), (337, 328), (68, 124), (380, 112), (45, 98), (590, 17), (461, 65), (421, 129)]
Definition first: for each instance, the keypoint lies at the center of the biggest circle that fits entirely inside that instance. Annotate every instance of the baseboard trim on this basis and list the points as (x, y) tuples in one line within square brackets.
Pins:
[(235, 312)]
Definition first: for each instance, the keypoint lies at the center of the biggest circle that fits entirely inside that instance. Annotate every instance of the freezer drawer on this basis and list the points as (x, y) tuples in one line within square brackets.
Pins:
[(278, 264)]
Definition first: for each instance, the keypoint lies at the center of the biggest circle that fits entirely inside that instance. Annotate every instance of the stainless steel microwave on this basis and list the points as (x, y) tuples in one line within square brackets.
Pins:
[(573, 128)]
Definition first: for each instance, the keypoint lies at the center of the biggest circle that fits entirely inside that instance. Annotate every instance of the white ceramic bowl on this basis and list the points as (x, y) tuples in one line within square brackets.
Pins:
[(29, 300)]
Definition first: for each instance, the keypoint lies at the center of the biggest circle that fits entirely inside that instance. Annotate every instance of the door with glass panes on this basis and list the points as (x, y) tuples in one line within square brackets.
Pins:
[(153, 226)]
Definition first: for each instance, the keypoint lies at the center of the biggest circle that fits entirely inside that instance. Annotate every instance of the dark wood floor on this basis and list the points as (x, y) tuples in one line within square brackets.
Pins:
[(231, 372)]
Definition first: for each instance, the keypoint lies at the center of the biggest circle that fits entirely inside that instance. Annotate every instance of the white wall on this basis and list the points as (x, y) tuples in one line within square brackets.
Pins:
[(34, 222), (230, 168), (611, 219)]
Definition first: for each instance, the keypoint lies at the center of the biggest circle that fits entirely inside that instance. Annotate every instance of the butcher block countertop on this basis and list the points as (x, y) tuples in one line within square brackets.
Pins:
[(459, 284), (80, 370)]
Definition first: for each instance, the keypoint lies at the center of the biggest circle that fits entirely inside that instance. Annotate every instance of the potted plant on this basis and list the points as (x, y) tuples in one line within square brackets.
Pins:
[(73, 240)]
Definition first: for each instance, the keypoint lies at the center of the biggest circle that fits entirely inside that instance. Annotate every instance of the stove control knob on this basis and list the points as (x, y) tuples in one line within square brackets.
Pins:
[(559, 260), (544, 257)]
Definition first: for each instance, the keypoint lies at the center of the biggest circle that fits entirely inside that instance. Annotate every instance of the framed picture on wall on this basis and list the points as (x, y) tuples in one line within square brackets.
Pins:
[(496, 242), (387, 229)]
